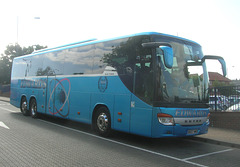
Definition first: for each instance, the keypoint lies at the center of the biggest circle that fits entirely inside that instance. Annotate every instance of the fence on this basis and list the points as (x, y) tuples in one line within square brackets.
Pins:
[(225, 98)]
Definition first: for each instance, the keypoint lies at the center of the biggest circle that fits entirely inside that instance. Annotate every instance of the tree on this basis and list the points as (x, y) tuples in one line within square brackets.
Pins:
[(16, 50), (10, 53), (223, 89), (5, 70)]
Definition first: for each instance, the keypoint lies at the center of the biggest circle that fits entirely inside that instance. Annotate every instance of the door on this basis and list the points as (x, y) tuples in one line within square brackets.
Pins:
[(42, 94), (142, 98)]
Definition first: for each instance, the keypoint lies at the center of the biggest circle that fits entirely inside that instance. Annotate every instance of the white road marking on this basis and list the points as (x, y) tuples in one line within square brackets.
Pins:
[(127, 145), (8, 110), (3, 125), (199, 156)]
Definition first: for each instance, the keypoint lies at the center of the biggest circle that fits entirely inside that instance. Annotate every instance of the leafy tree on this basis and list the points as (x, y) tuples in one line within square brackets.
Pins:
[(47, 71), (16, 50), (5, 70), (223, 88), (10, 53)]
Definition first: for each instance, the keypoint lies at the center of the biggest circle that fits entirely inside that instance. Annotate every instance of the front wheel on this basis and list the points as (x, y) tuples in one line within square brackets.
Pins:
[(102, 122), (33, 108)]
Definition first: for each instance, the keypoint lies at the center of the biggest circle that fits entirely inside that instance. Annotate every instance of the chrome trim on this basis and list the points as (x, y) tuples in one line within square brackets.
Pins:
[(190, 121), (102, 122), (24, 106)]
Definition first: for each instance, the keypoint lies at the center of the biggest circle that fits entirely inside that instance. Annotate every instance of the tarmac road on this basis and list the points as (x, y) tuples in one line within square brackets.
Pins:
[(55, 142)]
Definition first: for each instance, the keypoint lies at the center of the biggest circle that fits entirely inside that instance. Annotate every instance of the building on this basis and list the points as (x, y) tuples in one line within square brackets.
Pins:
[(235, 82), (214, 76)]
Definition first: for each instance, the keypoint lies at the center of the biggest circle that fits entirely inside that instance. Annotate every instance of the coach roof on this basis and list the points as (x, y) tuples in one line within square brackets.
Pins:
[(94, 41)]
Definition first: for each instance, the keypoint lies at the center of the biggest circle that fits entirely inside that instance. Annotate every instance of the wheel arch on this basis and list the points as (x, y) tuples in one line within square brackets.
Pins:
[(97, 106), (31, 98), (23, 96)]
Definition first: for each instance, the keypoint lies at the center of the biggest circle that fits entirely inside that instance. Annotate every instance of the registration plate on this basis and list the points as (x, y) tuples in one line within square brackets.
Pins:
[(192, 131)]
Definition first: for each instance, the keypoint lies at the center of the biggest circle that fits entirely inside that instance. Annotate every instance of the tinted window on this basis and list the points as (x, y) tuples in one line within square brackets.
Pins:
[(52, 64), (144, 75), (102, 54), (118, 54), (19, 68), (134, 65), (35, 64), (79, 61)]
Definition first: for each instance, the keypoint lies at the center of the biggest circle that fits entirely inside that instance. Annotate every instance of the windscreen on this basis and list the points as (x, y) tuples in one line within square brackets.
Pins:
[(183, 85)]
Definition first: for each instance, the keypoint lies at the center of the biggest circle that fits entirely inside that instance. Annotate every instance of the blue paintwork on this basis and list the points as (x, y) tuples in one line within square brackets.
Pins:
[(75, 98), (85, 95)]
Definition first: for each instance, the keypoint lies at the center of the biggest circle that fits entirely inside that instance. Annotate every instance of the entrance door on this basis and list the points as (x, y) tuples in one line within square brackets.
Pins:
[(143, 89)]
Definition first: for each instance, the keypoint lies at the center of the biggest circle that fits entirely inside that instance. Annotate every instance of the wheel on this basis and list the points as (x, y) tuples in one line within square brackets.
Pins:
[(224, 107), (33, 108), (23, 107), (102, 122)]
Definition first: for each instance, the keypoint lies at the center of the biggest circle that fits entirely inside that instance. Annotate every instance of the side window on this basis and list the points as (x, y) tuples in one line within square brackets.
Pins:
[(36, 63), (52, 64), (19, 68), (79, 61), (101, 57), (118, 54), (110, 53)]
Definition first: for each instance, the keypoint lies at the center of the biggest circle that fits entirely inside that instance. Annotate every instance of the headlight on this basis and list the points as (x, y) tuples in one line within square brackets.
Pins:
[(165, 119)]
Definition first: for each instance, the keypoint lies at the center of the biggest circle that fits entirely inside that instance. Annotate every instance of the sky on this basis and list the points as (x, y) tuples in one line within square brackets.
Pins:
[(214, 24)]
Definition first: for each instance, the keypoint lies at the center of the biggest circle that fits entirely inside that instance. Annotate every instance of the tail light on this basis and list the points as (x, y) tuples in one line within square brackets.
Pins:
[(165, 119)]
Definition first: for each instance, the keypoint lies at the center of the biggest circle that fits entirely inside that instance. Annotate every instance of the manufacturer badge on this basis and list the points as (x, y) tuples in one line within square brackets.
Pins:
[(102, 84)]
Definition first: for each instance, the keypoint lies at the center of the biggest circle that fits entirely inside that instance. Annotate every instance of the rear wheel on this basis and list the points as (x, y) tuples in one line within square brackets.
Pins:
[(102, 122), (33, 108), (23, 107)]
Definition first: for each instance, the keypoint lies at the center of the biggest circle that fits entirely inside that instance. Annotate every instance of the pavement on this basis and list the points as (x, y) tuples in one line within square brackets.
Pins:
[(219, 136), (6, 99)]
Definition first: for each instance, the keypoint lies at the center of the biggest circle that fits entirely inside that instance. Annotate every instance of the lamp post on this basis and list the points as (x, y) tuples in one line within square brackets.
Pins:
[(17, 29)]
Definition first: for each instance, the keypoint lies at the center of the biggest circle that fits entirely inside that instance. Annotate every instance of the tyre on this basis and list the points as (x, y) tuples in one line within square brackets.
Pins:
[(23, 107), (102, 122), (224, 107), (33, 108)]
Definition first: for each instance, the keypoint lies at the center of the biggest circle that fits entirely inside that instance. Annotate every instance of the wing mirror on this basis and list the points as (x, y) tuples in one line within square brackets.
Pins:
[(220, 59)]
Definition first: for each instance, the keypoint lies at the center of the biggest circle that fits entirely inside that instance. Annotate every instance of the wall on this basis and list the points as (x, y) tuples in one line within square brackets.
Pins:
[(228, 120)]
